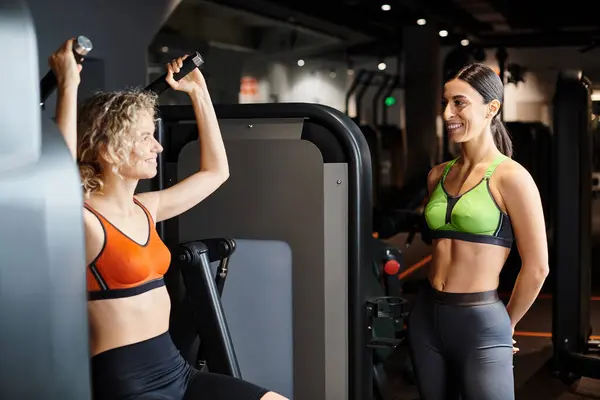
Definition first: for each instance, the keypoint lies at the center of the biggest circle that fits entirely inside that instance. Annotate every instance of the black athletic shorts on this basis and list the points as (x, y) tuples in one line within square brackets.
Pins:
[(155, 370)]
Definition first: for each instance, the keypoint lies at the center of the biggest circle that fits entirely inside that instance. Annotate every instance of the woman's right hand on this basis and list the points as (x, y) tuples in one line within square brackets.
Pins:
[(64, 65)]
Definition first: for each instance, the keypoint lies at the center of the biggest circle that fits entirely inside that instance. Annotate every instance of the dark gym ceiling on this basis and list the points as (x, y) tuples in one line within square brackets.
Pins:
[(306, 28)]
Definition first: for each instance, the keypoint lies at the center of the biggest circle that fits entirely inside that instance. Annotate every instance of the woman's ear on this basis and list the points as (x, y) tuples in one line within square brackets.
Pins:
[(494, 107)]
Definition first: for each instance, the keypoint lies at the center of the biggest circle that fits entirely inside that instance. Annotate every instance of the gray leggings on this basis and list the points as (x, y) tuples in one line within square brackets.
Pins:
[(461, 346)]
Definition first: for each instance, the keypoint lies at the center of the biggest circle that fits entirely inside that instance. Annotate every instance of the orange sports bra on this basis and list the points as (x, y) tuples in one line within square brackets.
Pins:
[(124, 267)]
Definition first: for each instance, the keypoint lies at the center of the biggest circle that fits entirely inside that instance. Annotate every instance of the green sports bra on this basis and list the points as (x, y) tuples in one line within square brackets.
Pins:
[(473, 216)]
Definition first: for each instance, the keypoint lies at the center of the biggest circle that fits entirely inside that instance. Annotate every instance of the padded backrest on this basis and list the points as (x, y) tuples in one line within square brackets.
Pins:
[(43, 315)]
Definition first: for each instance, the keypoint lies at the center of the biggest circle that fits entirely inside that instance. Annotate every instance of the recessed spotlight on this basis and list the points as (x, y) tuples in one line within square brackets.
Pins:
[(443, 33), (164, 49), (464, 42), (421, 21), (382, 66), (301, 63), (386, 7)]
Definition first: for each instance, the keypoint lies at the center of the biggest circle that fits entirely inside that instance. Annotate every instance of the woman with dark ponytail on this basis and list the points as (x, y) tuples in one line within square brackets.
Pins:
[(479, 204), (501, 137)]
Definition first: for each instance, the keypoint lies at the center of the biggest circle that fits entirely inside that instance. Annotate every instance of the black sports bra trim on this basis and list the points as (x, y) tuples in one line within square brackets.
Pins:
[(98, 276), (121, 293), (470, 237), (149, 220)]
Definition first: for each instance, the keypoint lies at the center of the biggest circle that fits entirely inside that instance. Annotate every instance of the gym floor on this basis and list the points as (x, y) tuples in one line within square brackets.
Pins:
[(533, 375)]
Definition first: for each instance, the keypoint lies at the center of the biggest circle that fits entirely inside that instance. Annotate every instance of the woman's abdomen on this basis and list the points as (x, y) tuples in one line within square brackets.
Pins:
[(465, 267), (120, 322)]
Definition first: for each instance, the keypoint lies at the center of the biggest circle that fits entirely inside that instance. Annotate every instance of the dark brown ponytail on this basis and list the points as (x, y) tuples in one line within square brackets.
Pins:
[(489, 85), (501, 137)]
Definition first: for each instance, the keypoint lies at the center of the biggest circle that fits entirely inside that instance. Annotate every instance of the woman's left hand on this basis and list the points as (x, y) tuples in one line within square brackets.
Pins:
[(190, 83), (515, 349)]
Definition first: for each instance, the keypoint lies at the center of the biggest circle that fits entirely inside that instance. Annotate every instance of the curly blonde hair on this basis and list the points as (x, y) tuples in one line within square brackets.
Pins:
[(103, 133)]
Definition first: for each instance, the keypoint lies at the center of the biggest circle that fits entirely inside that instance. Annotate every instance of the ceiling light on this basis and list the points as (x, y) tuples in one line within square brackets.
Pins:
[(382, 66), (386, 7), (464, 42), (443, 33), (421, 21), (301, 63)]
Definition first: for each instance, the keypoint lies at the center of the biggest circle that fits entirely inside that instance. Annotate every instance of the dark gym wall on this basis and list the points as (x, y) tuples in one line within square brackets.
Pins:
[(120, 30), (223, 74)]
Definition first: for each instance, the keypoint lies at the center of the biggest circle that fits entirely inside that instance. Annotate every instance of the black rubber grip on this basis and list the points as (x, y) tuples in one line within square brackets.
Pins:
[(48, 82), (189, 64)]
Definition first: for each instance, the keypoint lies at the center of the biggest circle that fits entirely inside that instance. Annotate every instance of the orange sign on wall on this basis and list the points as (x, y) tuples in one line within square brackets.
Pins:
[(248, 86)]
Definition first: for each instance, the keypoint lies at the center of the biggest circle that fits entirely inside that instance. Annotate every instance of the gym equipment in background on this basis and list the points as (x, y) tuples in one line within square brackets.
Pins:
[(386, 315), (384, 140), (302, 233), (572, 261), (373, 138), (362, 82), (393, 191)]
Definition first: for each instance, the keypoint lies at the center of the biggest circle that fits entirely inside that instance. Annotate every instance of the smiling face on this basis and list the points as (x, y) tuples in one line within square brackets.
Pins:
[(115, 136), (466, 114), (145, 149)]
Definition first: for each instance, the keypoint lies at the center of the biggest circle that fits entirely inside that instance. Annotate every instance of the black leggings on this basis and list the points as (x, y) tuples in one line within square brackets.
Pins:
[(461, 346), (155, 370)]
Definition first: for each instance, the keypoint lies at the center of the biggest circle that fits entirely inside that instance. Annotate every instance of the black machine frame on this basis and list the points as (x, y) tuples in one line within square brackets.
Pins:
[(350, 147), (572, 258), (195, 290)]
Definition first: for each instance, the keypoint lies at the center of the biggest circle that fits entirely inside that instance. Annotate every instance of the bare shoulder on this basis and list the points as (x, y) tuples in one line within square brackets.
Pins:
[(516, 187), (510, 175), (435, 174), (523, 204), (150, 201)]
